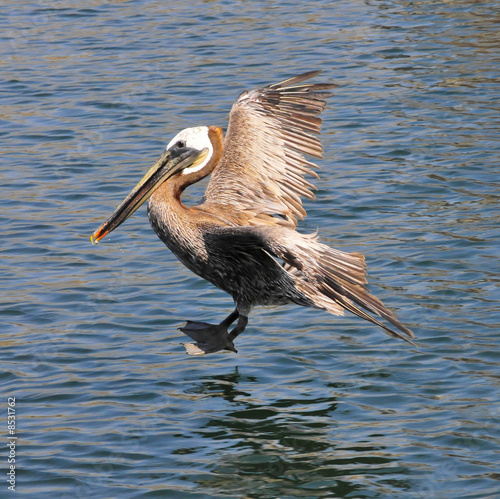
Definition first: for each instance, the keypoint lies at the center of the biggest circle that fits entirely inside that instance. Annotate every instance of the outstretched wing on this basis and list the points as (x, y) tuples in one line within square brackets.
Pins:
[(263, 165)]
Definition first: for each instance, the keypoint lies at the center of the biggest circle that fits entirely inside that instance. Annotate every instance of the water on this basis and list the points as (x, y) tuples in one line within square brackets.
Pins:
[(314, 406)]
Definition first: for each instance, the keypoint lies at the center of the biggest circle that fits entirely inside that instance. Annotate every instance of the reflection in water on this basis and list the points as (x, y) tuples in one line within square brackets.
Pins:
[(288, 444), (224, 386)]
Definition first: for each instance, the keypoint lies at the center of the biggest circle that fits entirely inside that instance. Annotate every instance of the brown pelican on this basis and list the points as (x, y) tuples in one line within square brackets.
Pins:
[(242, 238)]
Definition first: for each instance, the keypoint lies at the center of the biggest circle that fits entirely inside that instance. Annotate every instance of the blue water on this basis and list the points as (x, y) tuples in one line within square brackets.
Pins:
[(314, 406)]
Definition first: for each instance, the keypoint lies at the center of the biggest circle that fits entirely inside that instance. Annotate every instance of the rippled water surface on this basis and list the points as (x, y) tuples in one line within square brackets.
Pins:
[(107, 403)]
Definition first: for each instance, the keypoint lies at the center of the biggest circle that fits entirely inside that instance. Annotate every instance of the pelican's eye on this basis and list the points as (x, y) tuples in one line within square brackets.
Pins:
[(180, 144)]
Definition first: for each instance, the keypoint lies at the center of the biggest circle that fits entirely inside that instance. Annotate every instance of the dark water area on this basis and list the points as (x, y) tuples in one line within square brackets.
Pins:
[(313, 405)]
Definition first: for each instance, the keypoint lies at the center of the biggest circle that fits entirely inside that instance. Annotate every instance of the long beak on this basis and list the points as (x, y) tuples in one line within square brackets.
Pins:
[(164, 168)]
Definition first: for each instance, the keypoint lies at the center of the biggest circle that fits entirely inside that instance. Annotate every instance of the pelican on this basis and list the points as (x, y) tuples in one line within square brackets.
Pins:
[(243, 237)]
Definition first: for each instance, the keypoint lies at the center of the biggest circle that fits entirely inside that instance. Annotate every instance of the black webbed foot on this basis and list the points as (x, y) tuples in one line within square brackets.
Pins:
[(210, 338)]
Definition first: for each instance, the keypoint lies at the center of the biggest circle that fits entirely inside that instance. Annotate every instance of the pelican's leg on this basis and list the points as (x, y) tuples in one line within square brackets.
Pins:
[(230, 319), (211, 338), (240, 327)]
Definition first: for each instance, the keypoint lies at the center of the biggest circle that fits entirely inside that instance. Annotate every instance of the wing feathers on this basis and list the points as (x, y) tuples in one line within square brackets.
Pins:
[(338, 276), (263, 165), (296, 79)]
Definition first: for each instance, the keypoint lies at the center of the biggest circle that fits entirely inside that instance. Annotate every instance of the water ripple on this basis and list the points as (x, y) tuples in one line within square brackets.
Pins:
[(313, 405)]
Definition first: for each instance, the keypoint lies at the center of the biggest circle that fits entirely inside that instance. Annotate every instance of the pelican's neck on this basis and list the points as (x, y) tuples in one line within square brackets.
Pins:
[(175, 186), (178, 226), (168, 216)]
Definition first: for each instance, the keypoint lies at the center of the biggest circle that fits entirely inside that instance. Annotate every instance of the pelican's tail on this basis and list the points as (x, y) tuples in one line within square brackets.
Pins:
[(332, 279)]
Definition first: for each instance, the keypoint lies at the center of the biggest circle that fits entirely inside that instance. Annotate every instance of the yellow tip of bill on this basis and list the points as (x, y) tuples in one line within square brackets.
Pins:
[(97, 236)]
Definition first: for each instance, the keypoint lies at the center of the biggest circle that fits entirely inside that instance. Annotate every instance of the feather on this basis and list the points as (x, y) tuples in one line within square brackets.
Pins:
[(263, 165)]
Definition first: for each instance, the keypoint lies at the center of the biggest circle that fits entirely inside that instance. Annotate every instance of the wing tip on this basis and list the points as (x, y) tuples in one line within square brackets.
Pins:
[(293, 80)]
